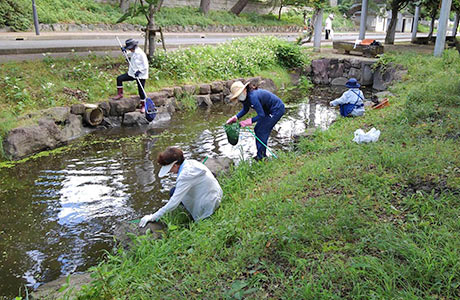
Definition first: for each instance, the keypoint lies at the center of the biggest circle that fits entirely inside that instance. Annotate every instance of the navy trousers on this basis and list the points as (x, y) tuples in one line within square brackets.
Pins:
[(262, 130)]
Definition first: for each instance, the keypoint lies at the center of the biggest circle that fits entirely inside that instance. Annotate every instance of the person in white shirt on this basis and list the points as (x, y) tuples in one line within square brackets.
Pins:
[(196, 188), (351, 103), (328, 26), (138, 68)]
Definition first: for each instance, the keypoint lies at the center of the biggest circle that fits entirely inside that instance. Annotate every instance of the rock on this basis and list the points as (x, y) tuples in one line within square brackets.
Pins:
[(50, 290), (134, 118), (319, 68), (355, 73), (123, 231), (229, 83), (336, 70), (340, 81), (159, 98), (177, 91), (120, 107), (267, 84), (367, 74), (205, 89), (254, 80), (217, 87), (307, 70), (218, 166), (169, 91), (58, 114), (73, 128), (203, 100), (355, 63), (217, 97), (189, 89), (226, 90), (77, 109), (105, 106), (23, 141)]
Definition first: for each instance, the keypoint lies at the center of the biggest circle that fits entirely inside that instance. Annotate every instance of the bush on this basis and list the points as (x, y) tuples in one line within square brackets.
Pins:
[(15, 14), (241, 57)]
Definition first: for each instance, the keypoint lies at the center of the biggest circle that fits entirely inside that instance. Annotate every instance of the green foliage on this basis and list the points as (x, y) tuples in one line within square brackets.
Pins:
[(334, 220), (241, 57), (290, 56), (15, 14), (187, 101)]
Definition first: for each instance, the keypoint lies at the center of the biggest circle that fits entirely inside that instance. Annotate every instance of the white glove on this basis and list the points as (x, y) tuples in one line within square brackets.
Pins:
[(145, 220)]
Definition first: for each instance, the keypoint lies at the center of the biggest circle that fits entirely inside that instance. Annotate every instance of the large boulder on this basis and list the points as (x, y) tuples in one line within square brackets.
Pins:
[(340, 81), (72, 129), (159, 98), (320, 71), (219, 166), (135, 118), (58, 114), (52, 290), (267, 84), (203, 100), (205, 89), (120, 107), (383, 78), (124, 232), (105, 106), (367, 74), (217, 87), (77, 109)]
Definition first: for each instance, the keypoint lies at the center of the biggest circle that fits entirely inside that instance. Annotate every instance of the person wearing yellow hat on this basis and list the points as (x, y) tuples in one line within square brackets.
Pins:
[(196, 188), (269, 107)]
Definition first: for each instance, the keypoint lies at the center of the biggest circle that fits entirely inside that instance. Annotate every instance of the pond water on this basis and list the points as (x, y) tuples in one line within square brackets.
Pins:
[(59, 212)]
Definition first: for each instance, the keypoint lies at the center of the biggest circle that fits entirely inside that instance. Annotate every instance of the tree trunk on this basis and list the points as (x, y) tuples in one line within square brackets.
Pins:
[(390, 36), (433, 18), (204, 6), (158, 6), (124, 5), (279, 12), (239, 6), (454, 29), (151, 26)]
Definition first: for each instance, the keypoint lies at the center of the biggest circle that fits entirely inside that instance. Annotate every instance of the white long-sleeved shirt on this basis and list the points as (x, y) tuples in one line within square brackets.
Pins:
[(328, 24), (351, 97), (197, 189), (139, 62)]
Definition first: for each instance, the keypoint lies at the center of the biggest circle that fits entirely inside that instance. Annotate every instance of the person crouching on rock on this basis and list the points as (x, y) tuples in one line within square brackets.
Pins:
[(269, 110), (138, 68), (351, 102), (196, 188)]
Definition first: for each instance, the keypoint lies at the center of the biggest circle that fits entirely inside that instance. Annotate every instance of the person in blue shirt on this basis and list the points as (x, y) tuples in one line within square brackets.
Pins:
[(269, 110), (351, 102)]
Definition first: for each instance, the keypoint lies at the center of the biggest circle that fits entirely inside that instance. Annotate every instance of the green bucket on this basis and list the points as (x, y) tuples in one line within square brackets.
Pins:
[(233, 132)]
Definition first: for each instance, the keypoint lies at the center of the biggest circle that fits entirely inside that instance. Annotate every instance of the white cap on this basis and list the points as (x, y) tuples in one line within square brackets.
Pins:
[(165, 169)]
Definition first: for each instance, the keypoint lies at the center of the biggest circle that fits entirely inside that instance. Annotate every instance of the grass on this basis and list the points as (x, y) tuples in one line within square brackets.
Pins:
[(332, 220), (34, 85)]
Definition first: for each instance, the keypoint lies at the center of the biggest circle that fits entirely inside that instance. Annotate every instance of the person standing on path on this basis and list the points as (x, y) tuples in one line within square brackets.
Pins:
[(196, 188), (328, 27), (138, 68), (269, 110)]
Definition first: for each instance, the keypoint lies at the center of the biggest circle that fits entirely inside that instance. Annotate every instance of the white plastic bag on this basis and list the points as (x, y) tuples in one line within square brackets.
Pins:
[(366, 137)]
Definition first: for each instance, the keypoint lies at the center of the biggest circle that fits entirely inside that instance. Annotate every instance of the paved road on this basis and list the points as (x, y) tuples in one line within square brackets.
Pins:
[(26, 46)]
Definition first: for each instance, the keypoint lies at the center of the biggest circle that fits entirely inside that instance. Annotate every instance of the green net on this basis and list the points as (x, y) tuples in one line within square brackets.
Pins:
[(233, 132)]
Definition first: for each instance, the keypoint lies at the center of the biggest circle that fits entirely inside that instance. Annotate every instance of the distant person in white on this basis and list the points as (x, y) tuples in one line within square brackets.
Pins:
[(196, 188), (328, 26)]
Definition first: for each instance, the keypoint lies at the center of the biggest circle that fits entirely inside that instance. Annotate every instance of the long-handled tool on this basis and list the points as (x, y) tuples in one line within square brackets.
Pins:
[(253, 133)]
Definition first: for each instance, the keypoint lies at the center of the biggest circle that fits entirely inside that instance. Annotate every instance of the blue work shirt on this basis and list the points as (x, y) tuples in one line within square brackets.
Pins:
[(264, 103)]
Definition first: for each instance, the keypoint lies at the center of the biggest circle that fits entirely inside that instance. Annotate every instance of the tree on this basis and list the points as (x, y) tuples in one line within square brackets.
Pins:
[(239, 6), (395, 6), (204, 6), (124, 5), (432, 8), (147, 8)]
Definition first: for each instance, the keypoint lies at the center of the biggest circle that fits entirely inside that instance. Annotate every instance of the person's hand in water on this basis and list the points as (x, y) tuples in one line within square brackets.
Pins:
[(145, 220)]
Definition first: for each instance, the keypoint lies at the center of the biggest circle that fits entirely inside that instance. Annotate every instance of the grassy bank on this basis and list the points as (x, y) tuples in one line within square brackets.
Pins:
[(332, 220), (34, 85)]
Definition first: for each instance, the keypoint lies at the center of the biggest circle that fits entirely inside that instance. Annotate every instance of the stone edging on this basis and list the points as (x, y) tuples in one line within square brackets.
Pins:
[(172, 28), (58, 126)]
